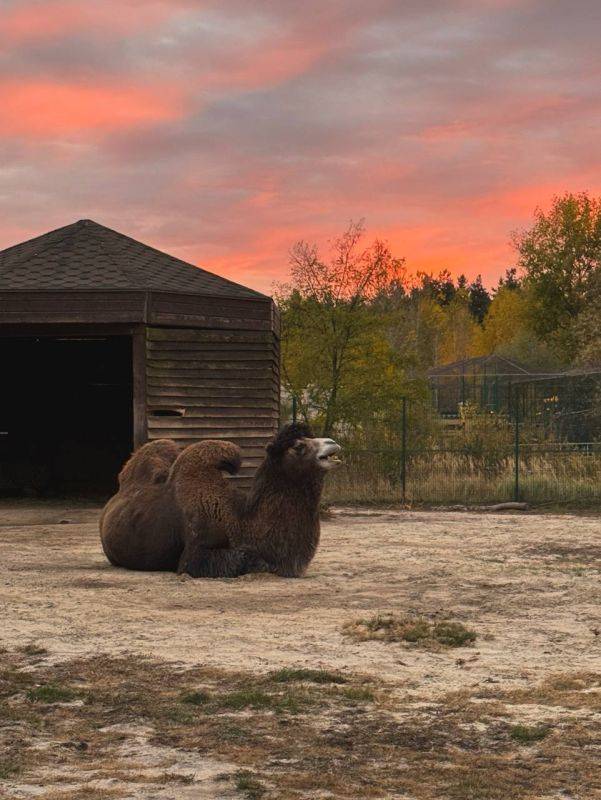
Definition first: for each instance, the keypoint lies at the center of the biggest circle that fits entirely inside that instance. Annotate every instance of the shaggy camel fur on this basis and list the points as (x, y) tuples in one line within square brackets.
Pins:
[(170, 502), (212, 543), (279, 520), (140, 526), (192, 520)]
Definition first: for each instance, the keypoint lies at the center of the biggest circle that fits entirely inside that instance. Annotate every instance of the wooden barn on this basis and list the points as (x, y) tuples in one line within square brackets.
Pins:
[(106, 343)]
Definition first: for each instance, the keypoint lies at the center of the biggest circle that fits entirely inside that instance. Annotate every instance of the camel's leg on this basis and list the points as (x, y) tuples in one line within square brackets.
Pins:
[(199, 562)]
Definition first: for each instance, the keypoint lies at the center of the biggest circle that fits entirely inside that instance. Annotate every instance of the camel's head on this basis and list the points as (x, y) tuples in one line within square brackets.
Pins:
[(297, 450)]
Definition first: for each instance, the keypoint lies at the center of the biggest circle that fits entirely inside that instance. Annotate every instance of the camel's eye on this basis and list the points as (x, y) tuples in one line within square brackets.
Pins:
[(299, 448)]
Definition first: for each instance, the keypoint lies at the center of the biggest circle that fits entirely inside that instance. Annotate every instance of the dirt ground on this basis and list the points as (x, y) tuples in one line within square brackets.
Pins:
[(528, 585)]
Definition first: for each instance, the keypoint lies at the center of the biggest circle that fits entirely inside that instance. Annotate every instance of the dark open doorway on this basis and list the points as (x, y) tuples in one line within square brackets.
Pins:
[(65, 414)]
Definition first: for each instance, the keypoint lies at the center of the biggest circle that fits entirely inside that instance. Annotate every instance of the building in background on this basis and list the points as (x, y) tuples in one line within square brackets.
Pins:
[(106, 343), (485, 381)]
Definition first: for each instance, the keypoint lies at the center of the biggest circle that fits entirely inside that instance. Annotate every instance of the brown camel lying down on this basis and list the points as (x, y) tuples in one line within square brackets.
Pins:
[(176, 510)]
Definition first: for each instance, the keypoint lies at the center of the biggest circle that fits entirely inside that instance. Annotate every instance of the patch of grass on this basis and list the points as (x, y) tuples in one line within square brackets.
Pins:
[(87, 792), (528, 734), (8, 768), (453, 634), (175, 777), (290, 675), (179, 715), (232, 733), (196, 698), (414, 630), (246, 698), (358, 694), (33, 650), (568, 683), (291, 704), (372, 478), (258, 700), (456, 746), (478, 787), (247, 782), (573, 690), (51, 693)]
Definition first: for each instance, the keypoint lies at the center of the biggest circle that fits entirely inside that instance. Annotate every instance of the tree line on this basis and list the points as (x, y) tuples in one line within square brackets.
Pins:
[(360, 331)]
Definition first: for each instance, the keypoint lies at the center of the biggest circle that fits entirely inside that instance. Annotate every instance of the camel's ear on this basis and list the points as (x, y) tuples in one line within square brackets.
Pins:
[(287, 438), (272, 449), (277, 448)]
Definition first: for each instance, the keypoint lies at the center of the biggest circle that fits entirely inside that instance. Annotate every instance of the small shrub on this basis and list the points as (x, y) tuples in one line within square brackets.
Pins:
[(413, 631), (453, 634)]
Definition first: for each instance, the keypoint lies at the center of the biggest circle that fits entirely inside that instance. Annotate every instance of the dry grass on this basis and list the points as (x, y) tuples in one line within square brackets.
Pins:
[(528, 734), (248, 784), (447, 478), (410, 630), (342, 740), (575, 690), (288, 675)]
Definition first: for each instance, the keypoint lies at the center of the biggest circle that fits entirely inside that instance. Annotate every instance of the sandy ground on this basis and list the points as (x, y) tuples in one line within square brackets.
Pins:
[(529, 585)]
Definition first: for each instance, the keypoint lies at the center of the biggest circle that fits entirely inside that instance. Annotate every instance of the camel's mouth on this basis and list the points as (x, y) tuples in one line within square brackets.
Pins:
[(329, 461), (327, 453)]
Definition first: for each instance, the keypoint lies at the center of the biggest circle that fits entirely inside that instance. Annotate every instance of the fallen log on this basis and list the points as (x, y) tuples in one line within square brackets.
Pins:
[(507, 507)]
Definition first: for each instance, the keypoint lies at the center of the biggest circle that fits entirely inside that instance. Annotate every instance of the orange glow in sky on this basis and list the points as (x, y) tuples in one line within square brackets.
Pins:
[(224, 132)]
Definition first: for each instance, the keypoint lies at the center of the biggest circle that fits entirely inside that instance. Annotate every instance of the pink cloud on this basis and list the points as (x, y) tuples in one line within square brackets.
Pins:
[(45, 109), (267, 65), (46, 20), (443, 124)]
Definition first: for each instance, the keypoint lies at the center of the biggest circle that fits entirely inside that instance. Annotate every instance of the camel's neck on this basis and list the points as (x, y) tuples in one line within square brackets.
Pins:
[(282, 518)]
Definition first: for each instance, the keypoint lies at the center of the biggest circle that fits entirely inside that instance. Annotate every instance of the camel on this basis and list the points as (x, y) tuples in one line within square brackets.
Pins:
[(279, 519), (190, 519)]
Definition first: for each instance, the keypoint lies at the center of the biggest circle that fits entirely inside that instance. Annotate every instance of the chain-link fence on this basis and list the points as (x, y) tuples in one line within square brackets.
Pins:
[(541, 445)]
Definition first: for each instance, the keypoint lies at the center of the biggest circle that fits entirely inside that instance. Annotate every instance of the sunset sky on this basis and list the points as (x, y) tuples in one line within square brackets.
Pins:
[(224, 131)]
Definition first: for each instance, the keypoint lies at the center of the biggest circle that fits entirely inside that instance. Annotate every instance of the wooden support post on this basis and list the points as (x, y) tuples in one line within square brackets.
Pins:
[(139, 388)]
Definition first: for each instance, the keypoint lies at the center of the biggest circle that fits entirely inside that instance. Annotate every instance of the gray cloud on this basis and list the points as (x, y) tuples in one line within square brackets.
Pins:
[(297, 117)]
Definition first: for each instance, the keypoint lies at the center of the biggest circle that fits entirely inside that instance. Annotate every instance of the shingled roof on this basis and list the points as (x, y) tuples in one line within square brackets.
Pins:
[(88, 256)]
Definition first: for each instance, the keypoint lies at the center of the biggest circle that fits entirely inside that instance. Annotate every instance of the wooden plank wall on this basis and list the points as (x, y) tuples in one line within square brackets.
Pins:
[(226, 382), (222, 313), (75, 307)]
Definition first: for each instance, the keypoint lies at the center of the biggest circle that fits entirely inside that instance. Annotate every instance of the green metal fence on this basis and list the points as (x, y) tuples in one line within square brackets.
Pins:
[(542, 447)]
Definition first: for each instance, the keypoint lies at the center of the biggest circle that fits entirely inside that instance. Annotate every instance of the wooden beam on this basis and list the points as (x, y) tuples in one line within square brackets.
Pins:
[(139, 388)]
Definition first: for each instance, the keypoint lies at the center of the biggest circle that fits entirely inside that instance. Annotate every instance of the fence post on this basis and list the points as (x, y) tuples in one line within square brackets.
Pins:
[(294, 411), (404, 454), (516, 455)]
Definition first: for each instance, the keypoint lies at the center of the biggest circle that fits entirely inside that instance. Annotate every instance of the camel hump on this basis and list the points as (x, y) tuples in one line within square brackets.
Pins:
[(149, 464), (211, 454)]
